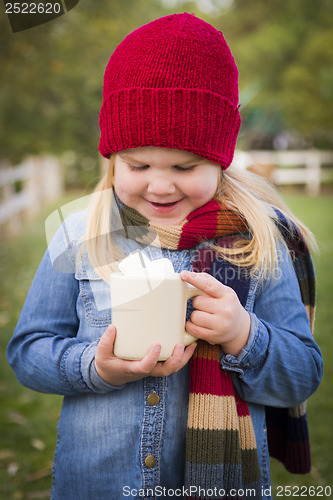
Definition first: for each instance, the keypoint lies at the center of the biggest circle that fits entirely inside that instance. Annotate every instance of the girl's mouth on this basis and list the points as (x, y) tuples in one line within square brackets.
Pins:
[(164, 207)]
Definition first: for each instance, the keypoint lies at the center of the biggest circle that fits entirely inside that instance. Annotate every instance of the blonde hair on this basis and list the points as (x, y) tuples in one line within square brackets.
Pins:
[(256, 200), (246, 193), (102, 250)]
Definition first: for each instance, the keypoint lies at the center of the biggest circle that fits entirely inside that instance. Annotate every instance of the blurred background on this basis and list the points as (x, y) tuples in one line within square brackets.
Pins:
[(50, 97)]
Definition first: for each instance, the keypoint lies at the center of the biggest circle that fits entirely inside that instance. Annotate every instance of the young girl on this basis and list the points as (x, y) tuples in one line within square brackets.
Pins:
[(195, 424)]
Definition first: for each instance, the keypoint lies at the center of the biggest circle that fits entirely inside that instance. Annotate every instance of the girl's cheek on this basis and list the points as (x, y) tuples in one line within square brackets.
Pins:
[(129, 192), (126, 184)]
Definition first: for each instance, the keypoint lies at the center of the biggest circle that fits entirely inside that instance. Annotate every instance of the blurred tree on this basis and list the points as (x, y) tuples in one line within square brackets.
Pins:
[(284, 52), (52, 76), (307, 88)]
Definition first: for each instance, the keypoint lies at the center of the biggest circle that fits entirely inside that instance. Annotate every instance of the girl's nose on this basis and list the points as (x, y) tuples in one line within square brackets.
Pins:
[(161, 185)]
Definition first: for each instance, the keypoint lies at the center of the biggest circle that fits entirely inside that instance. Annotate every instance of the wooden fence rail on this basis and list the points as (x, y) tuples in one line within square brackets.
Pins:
[(25, 189), (290, 167)]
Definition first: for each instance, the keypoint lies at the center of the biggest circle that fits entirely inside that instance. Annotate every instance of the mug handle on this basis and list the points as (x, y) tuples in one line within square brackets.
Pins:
[(191, 291)]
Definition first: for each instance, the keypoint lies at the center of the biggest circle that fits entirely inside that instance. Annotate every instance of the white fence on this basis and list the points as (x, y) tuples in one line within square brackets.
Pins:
[(307, 168), (25, 189)]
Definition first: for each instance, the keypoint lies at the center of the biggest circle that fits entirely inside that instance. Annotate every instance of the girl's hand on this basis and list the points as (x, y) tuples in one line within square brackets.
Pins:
[(116, 371), (220, 318)]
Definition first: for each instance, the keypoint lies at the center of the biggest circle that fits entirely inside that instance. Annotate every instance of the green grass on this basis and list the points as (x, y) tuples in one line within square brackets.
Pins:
[(28, 419), (316, 213)]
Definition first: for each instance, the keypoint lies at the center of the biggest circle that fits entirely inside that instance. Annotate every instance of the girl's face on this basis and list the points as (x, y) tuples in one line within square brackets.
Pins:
[(164, 185)]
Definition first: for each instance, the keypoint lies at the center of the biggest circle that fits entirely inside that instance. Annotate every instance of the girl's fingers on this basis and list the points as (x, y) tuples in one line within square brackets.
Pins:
[(183, 356), (206, 303), (163, 368), (198, 331), (188, 353), (175, 359), (106, 342), (146, 364), (205, 282), (176, 362), (204, 319), (117, 371)]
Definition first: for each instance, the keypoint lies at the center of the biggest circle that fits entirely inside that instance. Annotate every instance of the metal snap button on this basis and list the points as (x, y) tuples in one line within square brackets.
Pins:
[(150, 461), (153, 399)]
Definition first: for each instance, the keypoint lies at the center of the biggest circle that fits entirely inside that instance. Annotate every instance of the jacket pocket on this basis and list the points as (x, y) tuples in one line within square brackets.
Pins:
[(95, 295)]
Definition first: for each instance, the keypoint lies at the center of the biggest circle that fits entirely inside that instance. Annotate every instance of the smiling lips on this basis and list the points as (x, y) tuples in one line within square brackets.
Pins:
[(163, 207)]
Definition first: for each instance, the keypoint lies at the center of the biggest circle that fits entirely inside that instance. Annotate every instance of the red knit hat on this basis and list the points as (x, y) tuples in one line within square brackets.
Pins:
[(172, 83)]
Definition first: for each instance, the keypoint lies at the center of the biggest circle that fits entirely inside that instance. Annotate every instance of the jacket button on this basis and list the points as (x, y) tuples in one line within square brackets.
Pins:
[(153, 399), (150, 461)]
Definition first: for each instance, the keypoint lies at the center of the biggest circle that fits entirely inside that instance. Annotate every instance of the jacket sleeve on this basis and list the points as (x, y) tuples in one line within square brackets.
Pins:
[(281, 365), (44, 351)]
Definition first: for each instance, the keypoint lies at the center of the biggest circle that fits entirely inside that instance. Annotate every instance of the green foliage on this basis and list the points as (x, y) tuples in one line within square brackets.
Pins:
[(285, 58), (312, 75), (52, 76)]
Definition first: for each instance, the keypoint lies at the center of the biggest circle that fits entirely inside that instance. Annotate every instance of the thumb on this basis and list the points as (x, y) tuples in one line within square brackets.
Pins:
[(106, 342)]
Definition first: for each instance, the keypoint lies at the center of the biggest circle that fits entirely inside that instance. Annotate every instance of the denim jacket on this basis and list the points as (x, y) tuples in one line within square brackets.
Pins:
[(105, 433)]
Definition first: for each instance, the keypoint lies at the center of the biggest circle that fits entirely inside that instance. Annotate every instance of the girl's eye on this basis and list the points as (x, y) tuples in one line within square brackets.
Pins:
[(137, 168), (134, 168), (184, 169)]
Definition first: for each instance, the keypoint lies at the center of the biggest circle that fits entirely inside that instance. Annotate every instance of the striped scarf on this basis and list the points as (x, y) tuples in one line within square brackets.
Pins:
[(221, 450)]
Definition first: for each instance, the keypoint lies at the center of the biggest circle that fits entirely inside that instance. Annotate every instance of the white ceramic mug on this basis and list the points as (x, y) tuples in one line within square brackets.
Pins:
[(148, 311)]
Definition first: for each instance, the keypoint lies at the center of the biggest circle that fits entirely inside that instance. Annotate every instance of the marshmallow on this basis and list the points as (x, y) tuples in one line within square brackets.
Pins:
[(160, 268), (143, 274), (137, 264), (134, 264)]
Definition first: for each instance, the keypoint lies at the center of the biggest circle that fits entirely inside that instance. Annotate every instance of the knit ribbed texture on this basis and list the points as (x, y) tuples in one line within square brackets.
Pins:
[(221, 446), (172, 83)]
